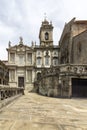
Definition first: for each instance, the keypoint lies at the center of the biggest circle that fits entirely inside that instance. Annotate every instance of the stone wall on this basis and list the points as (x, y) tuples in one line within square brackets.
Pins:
[(79, 49), (48, 85), (51, 83), (57, 82)]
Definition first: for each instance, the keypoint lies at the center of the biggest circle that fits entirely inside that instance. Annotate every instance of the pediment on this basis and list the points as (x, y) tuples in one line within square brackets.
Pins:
[(12, 48), (20, 48)]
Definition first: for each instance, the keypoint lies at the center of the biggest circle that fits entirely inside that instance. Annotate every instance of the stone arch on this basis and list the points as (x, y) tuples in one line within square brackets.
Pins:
[(38, 75), (46, 36)]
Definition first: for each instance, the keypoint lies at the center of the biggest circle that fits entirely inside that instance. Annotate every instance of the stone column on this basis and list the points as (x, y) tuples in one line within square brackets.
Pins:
[(42, 58), (70, 87), (51, 57), (60, 86)]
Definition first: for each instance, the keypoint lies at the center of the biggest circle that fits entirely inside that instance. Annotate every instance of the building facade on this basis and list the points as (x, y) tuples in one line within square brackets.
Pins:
[(4, 74), (46, 53), (25, 62)]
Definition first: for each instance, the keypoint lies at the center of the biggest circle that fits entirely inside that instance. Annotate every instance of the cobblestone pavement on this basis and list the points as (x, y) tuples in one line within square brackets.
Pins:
[(35, 112)]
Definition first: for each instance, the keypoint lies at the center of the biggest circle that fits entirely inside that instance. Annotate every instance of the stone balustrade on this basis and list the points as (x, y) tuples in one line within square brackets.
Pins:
[(7, 92)]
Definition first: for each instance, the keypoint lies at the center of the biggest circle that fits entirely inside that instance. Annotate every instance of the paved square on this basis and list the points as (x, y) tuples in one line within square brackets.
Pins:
[(35, 112)]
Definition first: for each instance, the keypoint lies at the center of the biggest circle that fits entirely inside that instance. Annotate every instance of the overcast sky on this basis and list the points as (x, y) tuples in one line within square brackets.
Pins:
[(24, 17)]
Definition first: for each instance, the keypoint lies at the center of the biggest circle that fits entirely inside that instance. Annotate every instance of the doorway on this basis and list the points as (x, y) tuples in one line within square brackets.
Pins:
[(79, 87), (20, 81)]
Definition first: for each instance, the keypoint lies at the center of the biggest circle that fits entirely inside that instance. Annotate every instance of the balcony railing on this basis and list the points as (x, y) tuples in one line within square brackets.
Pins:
[(7, 92)]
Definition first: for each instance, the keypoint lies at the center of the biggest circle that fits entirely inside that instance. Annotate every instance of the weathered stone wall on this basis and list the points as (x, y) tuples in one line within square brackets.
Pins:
[(52, 83), (48, 86), (73, 43), (57, 82), (79, 49), (78, 27)]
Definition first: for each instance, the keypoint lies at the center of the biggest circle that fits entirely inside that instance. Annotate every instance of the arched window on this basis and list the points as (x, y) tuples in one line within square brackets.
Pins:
[(38, 75), (46, 36)]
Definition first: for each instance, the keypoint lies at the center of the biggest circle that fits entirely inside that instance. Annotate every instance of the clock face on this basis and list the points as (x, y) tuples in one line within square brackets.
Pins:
[(46, 36)]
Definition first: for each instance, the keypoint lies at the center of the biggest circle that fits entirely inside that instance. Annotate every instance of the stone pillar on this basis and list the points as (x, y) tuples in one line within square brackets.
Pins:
[(51, 57), (35, 59), (60, 86), (0, 95), (70, 87), (42, 58), (8, 57)]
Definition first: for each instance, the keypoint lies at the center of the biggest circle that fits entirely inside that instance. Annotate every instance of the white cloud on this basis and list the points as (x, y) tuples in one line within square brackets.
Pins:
[(24, 17)]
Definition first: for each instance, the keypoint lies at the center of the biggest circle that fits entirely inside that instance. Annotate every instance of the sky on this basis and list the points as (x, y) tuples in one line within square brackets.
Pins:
[(24, 17)]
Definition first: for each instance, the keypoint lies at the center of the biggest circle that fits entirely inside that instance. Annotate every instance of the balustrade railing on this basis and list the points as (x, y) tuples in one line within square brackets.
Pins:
[(7, 92)]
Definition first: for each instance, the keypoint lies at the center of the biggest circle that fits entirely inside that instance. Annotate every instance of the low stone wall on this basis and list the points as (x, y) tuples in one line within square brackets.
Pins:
[(8, 100), (7, 92)]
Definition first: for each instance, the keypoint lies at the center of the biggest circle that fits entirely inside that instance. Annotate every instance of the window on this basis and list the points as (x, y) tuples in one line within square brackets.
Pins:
[(21, 59), (12, 75), (55, 61), (47, 60), (29, 76), (38, 61), (29, 58), (46, 36), (12, 57)]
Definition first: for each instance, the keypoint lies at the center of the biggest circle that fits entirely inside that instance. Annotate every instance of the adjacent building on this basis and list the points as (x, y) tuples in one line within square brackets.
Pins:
[(73, 43), (4, 74)]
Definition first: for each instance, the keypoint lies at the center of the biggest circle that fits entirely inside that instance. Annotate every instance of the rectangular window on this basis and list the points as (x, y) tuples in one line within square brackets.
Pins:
[(12, 57), (12, 75), (29, 76), (55, 62), (21, 59), (38, 61), (29, 58)]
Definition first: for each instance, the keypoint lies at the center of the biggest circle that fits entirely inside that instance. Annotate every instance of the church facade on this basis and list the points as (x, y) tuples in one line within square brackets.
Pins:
[(25, 62)]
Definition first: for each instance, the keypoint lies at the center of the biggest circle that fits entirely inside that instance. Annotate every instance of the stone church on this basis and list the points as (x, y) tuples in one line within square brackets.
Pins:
[(25, 62), (69, 78)]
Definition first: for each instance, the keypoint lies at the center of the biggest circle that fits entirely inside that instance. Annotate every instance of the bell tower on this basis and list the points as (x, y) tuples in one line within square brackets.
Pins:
[(46, 33)]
